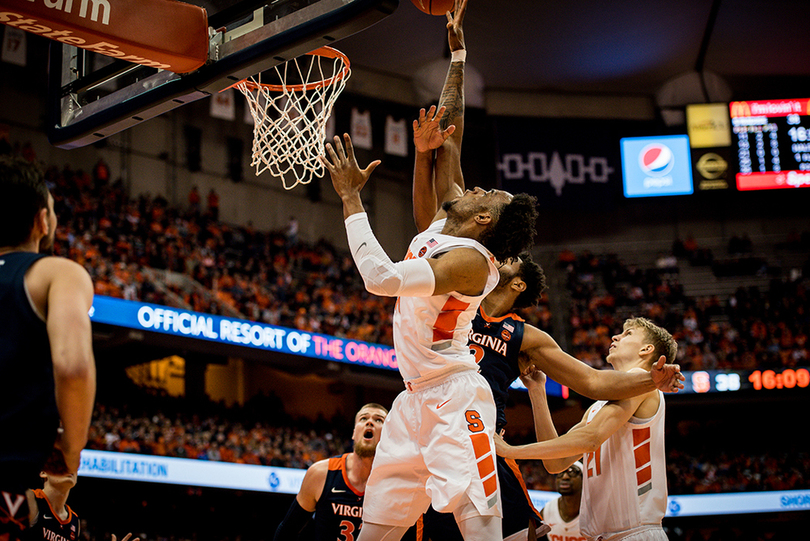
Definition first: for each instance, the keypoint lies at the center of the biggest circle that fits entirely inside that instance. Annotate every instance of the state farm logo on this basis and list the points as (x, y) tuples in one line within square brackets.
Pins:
[(656, 160), (99, 8)]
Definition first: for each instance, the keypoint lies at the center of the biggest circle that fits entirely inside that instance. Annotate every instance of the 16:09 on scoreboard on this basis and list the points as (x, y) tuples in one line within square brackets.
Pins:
[(714, 381)]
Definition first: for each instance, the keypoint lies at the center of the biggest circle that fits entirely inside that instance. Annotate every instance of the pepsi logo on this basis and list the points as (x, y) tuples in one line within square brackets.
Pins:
[(656, 159)]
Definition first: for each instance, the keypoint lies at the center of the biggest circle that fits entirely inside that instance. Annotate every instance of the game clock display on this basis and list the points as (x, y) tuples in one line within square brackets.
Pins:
[(773, 143), (723, 381)]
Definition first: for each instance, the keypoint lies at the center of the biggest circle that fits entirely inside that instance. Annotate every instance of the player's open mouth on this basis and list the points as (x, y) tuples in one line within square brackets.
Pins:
[(368, 434)]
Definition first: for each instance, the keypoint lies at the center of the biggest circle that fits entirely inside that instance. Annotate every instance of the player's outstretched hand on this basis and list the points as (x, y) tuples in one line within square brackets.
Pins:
[(533, 378), (455, 33), (126, 537), (347, 177), (667, 377), (502, 448), (427, 131)]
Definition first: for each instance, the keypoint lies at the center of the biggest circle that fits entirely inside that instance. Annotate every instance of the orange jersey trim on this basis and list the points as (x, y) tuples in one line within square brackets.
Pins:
[(339, 463), (491, 319)]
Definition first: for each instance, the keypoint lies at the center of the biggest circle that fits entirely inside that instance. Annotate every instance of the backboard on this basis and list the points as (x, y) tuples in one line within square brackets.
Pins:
[(92, 96)]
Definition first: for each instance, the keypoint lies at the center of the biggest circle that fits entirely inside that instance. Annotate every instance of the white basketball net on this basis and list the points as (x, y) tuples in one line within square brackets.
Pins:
[(290, 119)]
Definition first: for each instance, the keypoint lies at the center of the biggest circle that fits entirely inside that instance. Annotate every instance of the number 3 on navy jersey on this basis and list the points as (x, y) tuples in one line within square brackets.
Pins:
[(478, 351), (346, 531)]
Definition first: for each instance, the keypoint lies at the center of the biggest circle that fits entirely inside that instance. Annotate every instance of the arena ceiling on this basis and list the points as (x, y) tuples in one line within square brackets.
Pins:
[(760, 49)]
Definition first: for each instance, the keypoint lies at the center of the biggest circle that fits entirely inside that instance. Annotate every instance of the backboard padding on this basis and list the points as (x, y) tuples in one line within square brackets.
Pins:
[(81, 113)]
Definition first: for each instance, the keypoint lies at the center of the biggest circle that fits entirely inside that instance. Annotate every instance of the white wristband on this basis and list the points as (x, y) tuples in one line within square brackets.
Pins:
[(459, 56)]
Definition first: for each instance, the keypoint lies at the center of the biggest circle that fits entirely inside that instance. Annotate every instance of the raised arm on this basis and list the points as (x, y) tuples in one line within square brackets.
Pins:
[(535, 382), (432, 186), (542, 350), (449, 179), (427, 136), (463, 269)]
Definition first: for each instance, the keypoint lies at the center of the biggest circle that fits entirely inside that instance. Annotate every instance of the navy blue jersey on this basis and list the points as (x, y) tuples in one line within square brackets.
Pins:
[(339, 511), (28, 414), (47, 524), (496, 343)]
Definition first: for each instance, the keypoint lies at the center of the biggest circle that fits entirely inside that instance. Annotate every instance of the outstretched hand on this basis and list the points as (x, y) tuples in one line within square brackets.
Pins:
[(667, 377), (427, 132), (455, 33), (347, 177), (501, 447)]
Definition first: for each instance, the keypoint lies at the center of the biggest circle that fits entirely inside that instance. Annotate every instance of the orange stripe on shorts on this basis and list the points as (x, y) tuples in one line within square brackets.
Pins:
[(644, 475), (490, 485), (486, 466), (480, 444)]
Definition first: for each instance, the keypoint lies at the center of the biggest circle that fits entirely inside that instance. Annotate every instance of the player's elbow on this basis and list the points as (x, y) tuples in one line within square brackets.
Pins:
[(383, 288), (73, 366), (555, 466), (591, 441)]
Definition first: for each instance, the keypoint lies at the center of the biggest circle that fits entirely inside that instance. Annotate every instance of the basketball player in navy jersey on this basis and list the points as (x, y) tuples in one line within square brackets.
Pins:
[(331, 494), (51, 517), (47, 371), (501, 341)]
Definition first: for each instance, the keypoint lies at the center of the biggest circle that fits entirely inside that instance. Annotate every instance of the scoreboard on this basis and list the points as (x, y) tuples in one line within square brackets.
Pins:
[(724, 381), (772, 139)]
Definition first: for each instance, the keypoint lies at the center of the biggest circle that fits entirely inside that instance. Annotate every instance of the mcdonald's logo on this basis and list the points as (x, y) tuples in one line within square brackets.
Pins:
[(740, 108)]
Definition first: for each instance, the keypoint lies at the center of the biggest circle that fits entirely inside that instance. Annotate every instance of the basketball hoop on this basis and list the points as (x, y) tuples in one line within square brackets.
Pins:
[(290, 113)]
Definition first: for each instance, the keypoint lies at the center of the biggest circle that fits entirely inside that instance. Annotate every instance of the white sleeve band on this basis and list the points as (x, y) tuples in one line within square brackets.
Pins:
[(410, 278), (459, 56)]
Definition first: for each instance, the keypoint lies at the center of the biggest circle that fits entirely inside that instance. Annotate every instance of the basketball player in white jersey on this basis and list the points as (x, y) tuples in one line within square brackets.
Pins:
[(436, 446), (624, 493), (562, 513)]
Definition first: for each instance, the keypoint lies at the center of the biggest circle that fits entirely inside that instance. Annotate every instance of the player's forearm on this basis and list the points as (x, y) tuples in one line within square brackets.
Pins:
[(616, 385), (566, 446), (453, 99), (587, 381), (425, 204), (448, 156), (75, 394), (543, 423)]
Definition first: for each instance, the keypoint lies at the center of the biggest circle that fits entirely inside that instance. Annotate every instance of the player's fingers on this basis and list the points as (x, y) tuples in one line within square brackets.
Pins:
[(327, 164), (449, 131), (371, 167), (349, 152), (330, 150), (341, 152), (460, 10)]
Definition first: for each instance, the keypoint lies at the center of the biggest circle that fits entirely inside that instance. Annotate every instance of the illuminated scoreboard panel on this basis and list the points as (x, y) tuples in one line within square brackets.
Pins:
[(724, 381), (773, 143)]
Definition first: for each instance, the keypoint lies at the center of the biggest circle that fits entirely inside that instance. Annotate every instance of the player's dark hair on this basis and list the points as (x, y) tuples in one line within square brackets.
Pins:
[(23, 193), (535, 279), (514, 228)]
